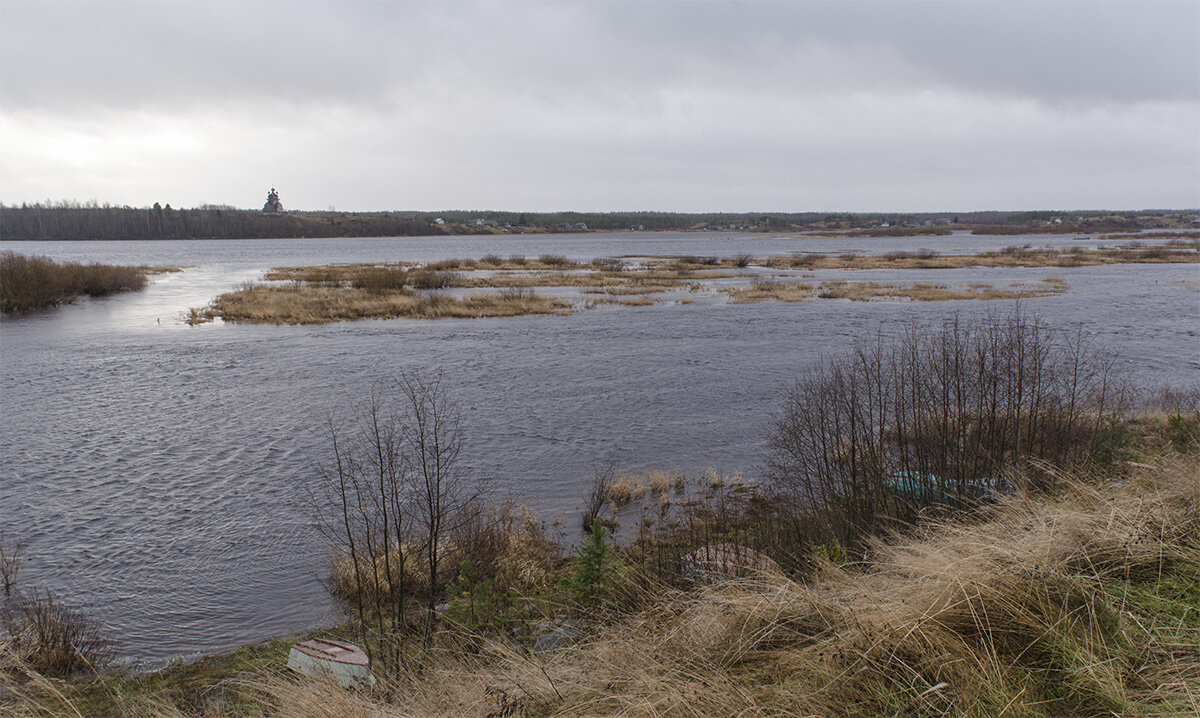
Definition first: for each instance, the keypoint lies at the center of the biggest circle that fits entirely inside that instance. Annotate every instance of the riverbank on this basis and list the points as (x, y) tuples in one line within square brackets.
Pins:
[(1084, 602)]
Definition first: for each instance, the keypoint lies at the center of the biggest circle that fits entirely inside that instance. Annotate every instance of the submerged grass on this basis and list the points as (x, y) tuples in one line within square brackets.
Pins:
[(1007, 257), (772, 290), (385, 290)]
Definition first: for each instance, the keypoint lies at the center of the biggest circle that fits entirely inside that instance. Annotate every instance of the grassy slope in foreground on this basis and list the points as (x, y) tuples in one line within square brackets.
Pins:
[(1082, 604)]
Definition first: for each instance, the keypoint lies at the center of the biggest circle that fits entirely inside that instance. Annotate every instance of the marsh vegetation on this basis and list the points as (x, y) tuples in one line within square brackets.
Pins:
[(28, 283), (341, 292)]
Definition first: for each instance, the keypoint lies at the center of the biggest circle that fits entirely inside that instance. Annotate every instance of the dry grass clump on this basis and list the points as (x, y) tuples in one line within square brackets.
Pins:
[(382, 279), (774, 290), (36, 282), (433, 279), (659, 481), (763, 290), (1174, 252), (609, 264), (504, 544), (606, 281), (368, 583), (515, 262), (332, 274), (507, 545), (304, 304), (926, 292), (1080, 605), (555, 260), (623, 490)]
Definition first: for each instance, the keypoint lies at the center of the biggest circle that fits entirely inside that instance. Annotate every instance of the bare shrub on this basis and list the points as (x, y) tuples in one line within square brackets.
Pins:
[(51, 638), (743, 260), (596, 504), (938, 416), (10, 562)]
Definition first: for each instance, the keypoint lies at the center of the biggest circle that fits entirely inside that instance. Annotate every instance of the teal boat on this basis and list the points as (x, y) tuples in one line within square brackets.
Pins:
[(915, 486), (927, 488)]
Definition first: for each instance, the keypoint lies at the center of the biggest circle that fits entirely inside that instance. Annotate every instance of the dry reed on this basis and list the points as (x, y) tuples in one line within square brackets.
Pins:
[(1079, 605)]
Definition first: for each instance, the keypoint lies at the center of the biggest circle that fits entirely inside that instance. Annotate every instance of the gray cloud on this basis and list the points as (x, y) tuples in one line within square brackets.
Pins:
[(604, 105), (128, 54)]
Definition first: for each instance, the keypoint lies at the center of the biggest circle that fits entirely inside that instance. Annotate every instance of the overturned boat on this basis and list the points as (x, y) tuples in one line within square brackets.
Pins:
[(343, 662)]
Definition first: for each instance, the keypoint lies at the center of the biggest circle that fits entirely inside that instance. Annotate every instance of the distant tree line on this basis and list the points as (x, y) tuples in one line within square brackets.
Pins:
[(64, 221), (72, 220)]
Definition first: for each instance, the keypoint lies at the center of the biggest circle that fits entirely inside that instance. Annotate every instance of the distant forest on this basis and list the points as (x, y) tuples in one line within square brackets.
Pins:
[(74, 221)]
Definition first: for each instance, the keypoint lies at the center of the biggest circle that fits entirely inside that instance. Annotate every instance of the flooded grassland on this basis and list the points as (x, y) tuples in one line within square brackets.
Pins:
[(160, 472)]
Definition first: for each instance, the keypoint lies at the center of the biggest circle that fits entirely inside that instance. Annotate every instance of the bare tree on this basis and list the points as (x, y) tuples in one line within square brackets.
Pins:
[(598, 504), (936, 416), (442, 494), (391, 495), (362, 506)]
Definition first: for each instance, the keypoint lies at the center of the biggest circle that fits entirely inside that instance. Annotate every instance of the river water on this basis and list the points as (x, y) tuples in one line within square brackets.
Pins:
[(158, 473)]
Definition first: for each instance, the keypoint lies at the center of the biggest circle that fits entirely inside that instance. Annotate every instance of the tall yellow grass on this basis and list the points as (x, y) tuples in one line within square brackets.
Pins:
[(1027, 610), (1019, 612), (1084, 604)]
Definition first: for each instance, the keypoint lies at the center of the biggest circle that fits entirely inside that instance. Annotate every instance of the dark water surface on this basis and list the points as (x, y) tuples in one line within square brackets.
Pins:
[(158, 472)]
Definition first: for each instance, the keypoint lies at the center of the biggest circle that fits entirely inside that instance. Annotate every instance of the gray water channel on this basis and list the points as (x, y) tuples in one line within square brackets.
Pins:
[(158, 473)]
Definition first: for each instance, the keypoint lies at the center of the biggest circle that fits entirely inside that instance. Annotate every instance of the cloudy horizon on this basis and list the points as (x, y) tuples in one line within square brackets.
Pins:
[(545, 106)]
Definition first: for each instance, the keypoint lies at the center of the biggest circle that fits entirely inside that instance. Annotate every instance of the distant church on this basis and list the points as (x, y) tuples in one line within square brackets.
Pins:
[(273, 205)]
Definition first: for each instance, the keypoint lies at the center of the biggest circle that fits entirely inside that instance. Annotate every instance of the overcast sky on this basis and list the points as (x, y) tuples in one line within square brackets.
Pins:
[(681, 106)]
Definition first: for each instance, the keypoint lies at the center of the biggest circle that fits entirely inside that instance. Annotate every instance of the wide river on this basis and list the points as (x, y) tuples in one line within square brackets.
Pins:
[(158, 473)]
